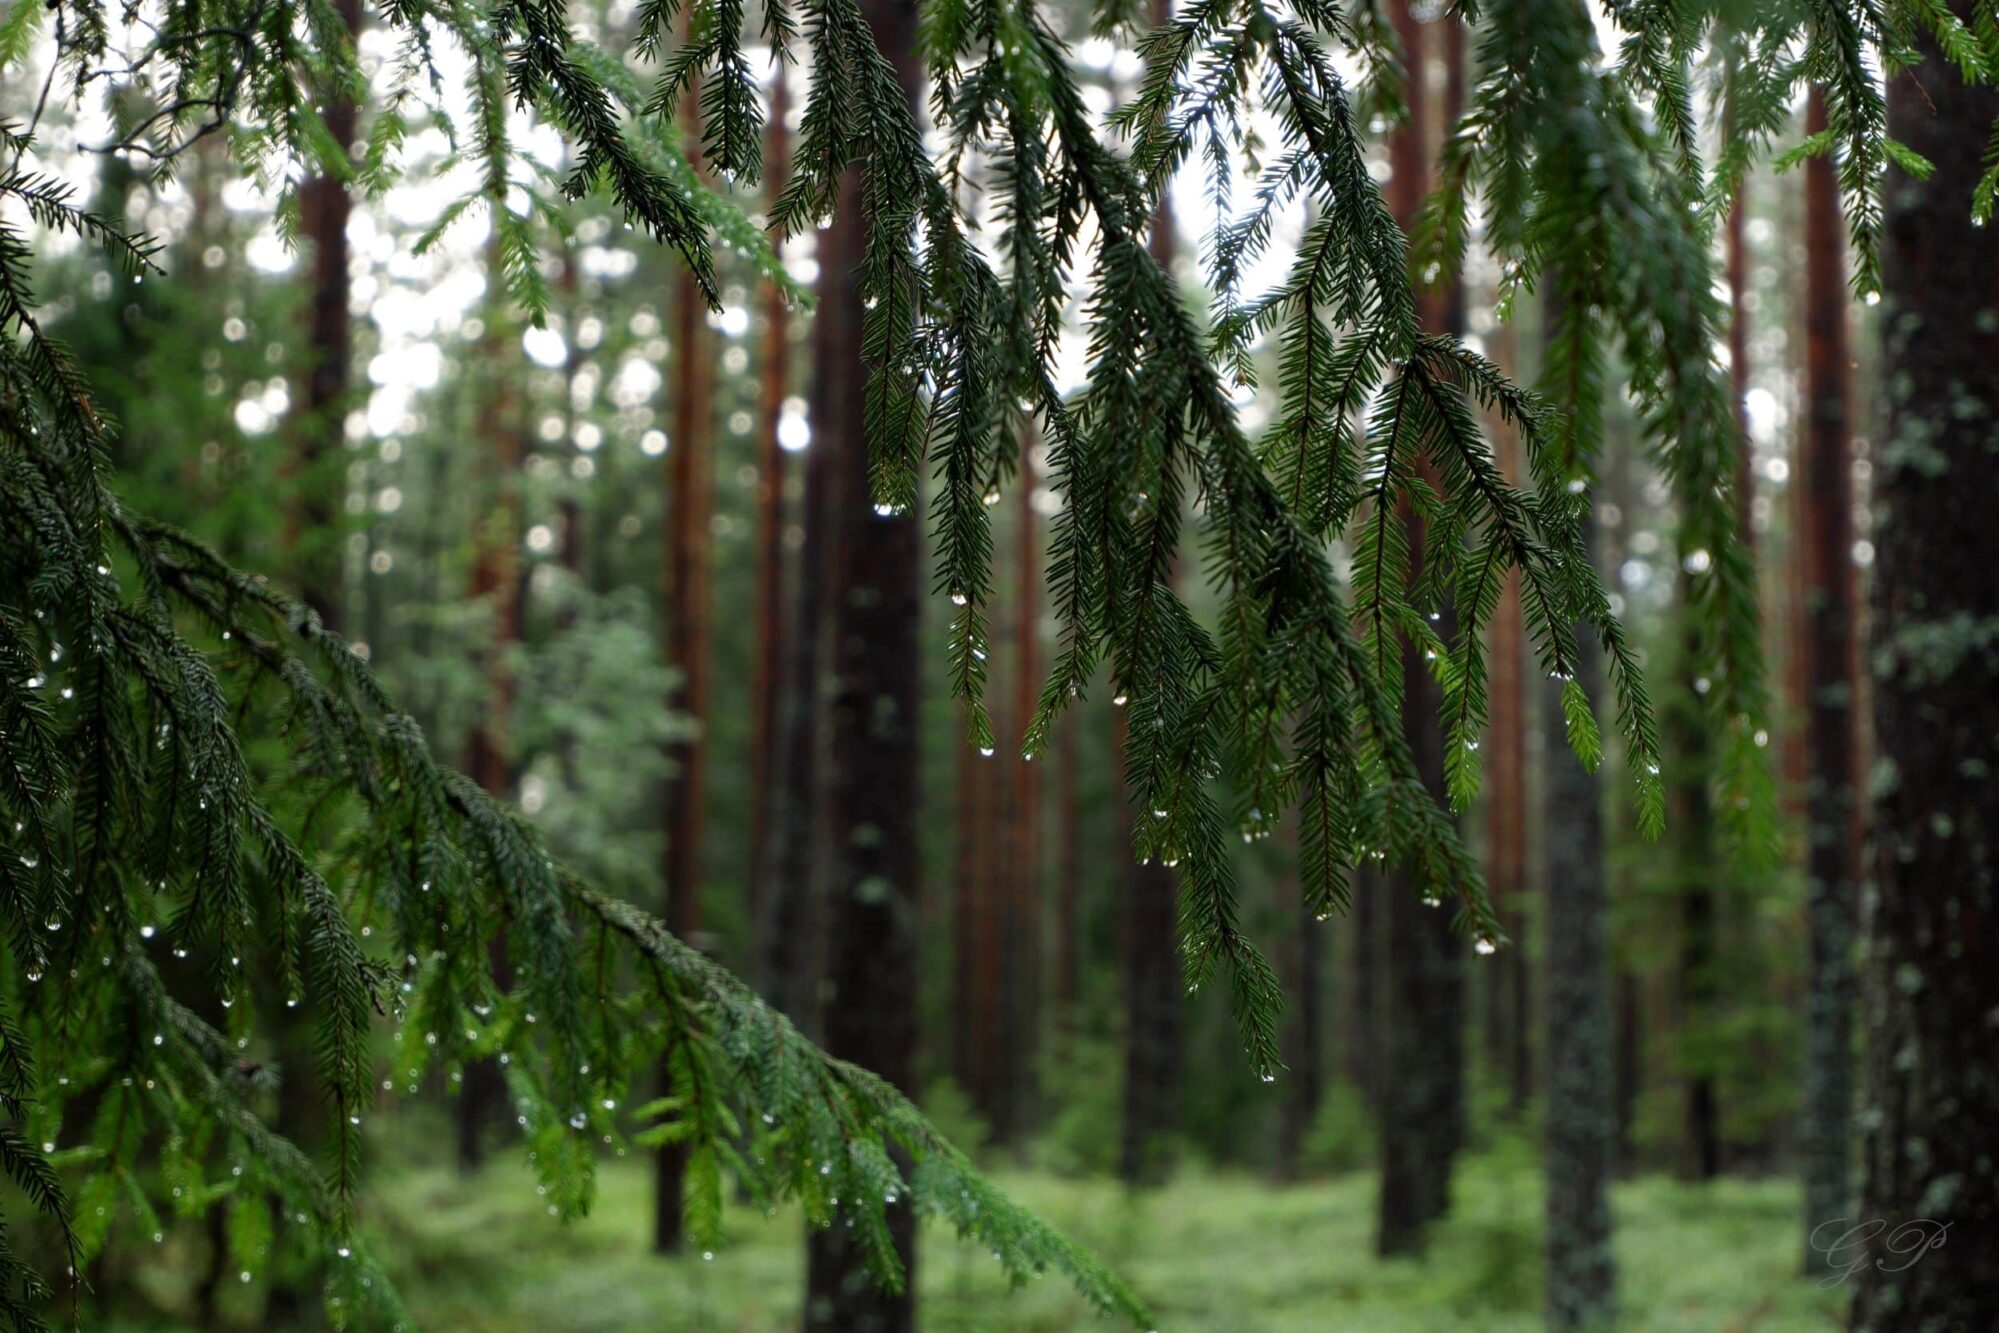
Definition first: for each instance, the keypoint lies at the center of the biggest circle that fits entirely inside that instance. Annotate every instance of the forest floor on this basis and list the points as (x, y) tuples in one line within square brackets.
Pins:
[(1212, 1252)]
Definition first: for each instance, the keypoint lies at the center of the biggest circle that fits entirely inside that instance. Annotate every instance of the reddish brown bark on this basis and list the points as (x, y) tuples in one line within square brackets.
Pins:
[(1024, 877), (313, 526), (313, 532), (769, 612), (980, 980), (1153, 1021), (570, 511), (1736, 259), (1067, 868), (1422, 964), (495, 584), (1304, 1028), (1507, 1017), (685, 597)]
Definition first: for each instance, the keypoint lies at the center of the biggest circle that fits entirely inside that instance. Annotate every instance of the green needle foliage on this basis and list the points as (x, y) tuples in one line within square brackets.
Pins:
[(155, 703)]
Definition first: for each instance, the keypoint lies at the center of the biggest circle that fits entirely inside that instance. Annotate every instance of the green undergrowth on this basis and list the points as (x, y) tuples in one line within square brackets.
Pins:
[(1214, 1250)]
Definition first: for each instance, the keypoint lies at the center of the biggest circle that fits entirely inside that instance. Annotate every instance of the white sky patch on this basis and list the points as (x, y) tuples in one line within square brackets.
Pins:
[(422, 307), (794, 430), (1766, 415), (545, 347), (636, 382)]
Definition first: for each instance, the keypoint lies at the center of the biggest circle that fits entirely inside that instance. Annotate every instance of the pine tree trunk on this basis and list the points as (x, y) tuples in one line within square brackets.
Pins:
[(792, 848), (1304, 1032), (1067, 870), (568, 283), (1736, 254), (967, 922), (313, 520), (1422, 1053), (1691, 816), (766, 672), (981, 924), (686, 594), (1024, 871), (1581, 1117), (872, 794), (1153, 996), (313, 536), (1363, 1041), (1933, 924), (1506, 974), (1615, 486), (1421, 1098), (1832, 857), (793, 851), (1153, 985), (1700, 908), (495, 583), (999, 1073)]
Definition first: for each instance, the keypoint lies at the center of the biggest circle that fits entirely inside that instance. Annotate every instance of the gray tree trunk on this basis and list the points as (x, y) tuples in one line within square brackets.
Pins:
[(873, 612), (1831, 749), (1933, 920), (1581, 1112)]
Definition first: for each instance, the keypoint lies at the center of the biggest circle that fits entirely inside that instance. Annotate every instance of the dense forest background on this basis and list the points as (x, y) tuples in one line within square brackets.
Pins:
[(591, 551)]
